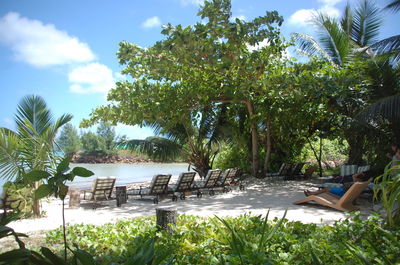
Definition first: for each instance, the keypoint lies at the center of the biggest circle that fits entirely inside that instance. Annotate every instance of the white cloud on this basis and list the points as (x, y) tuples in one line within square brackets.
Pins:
[(151, 22), (258, 46), (91, 78), (41, 44), (303, 17), (241, 17), (330, 2)]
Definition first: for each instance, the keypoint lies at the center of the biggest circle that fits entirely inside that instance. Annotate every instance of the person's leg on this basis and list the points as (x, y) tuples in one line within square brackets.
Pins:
[(308, 193)]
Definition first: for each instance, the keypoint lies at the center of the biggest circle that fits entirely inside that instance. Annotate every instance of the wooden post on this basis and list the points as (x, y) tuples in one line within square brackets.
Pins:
[(74, 198), (120, 192), (165, 218)]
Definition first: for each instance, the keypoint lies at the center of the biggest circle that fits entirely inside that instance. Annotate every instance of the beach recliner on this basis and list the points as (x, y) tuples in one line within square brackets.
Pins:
[(227, 178), (209, 183), (295, 171), (184, 184), (344, 203), (102, 189), (158, 187), (285, 170)]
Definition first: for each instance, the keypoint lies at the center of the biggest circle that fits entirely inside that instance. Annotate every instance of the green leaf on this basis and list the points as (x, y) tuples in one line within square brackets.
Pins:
[(84, 257), (36, 175), (14, 256), (63, 192), (51, 256), (64, 165), (82, 172), (44, 190)]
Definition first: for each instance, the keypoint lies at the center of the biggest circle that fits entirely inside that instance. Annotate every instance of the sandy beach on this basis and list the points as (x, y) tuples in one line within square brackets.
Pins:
[(259, 197)]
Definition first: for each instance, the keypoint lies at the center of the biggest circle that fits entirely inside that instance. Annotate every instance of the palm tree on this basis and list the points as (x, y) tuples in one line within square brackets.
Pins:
[(197, 142), (31, 146), (344, 41)]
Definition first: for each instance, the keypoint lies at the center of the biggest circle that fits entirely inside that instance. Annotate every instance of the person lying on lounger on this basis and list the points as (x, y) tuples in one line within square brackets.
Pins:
[(340, 191)]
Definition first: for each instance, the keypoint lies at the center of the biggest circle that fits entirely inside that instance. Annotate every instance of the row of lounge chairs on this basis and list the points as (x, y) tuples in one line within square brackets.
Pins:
[(293, 171), (215, 180)]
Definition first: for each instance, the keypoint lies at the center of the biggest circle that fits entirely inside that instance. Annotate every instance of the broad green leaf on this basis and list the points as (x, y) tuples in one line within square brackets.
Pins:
[(51, 256), (36, 175), (82, 172), (84, 257), (14, 256), (44, 190), (64, 165), (63, 192)]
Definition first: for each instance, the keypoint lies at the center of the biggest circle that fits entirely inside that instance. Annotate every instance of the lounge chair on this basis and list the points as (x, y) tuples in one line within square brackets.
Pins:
[(226, 179), (209, 183), (344, 203), (184, 184), (309, 172), (285, 170), (158, 186), (295, 171), (102, 189)]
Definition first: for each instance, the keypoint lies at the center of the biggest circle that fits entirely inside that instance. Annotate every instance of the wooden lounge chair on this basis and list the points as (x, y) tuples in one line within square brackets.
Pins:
[(209, 183), (184, 184), (344, 203), (285, 170), (295, 171), (102, 189), (226, 179), (158, 187), (309, 172)]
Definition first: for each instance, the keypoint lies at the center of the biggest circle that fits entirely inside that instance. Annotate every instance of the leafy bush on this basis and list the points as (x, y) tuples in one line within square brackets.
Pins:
[(232, 156), (238, 241), (21, 197)]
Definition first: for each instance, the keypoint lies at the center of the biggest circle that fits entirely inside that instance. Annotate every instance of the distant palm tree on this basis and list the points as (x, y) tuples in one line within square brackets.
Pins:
[(31, 146)]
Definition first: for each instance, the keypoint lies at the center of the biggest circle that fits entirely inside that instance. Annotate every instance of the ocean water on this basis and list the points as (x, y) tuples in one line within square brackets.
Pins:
[(125, 173)]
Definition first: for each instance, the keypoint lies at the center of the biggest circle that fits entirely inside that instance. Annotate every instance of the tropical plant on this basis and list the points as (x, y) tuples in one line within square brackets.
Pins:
[(196, 141), (56, 184), (31, 146), (387, 191)]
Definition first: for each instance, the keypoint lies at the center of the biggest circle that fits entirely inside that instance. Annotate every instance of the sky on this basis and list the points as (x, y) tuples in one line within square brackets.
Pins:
[(65, 51)]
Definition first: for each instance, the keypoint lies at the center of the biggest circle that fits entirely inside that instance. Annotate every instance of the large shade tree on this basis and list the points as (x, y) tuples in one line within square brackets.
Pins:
[(31, 145), (216, 61)]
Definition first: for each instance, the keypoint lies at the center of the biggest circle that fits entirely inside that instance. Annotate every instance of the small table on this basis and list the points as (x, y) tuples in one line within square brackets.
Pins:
[(121, 196)]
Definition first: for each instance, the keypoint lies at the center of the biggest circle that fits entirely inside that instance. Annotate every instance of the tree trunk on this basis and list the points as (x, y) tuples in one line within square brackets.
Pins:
[(268, 147), (254, 139), (36, 203), (356, 147), (318, 157), (165, 218)]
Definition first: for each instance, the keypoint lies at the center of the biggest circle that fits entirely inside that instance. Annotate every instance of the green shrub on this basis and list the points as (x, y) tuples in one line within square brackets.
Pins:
[(200, 240), (232, 156)]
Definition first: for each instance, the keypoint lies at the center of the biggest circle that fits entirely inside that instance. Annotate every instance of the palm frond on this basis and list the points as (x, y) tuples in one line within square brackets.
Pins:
[(33, 109), (367, 21), (308, 46), (333, 38), (53, 129), (385, 109), (393, 6), (389, 46), (156, 148), (11, 165), (347, 20)]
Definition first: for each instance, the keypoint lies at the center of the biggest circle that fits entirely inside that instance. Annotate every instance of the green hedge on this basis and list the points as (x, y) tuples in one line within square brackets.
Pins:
[(237, 241)]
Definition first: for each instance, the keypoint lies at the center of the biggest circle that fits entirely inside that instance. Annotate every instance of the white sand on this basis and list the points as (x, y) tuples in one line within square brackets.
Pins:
[(258, 197)]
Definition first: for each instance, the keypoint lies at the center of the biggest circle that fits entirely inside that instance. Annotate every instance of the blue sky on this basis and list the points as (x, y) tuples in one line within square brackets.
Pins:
[(65, 51)]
